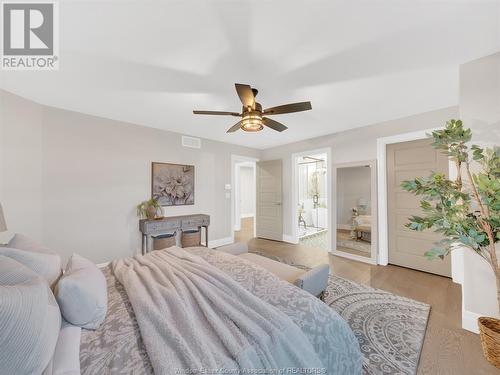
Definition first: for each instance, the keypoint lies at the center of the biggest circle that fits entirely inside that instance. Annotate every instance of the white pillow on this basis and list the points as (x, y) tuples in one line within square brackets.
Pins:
[(47, 266), (77, 262), (30, 320), (20, 241), (38, 258), (82, 293), (66, 359)]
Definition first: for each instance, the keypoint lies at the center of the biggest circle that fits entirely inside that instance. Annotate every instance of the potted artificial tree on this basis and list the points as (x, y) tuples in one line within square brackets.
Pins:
[(466, 211), (149, 209)]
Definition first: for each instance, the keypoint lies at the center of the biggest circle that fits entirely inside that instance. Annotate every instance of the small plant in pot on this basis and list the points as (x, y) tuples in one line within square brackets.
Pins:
[(149, 209), (465, 211)]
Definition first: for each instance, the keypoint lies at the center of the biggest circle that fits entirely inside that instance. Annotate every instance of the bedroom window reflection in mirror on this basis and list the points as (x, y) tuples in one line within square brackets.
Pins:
[(356, 211)]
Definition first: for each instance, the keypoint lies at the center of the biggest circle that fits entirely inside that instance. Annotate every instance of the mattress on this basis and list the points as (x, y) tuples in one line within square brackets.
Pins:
[(116, 347)]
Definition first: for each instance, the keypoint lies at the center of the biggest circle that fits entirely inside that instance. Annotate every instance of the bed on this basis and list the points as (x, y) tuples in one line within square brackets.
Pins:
[(362, 226), (117, 346)]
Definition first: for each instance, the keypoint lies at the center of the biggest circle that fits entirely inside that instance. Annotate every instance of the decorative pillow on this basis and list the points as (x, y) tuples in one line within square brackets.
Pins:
[(77, 262), (30, 320), (47, 266), (66, 359), (38, 258), (82, 293), (20, 241)]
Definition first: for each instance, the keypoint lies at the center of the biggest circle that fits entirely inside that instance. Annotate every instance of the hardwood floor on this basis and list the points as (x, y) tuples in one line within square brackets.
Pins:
[(448, 349)]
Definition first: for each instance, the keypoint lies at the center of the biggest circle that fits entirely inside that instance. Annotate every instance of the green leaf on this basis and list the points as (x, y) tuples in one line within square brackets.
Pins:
[(436, 252), (449, 210)]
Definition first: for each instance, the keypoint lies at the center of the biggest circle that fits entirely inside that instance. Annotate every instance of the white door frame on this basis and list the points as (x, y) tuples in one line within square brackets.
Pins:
[(235, 161), (295, 200), (374, 212), (383, 242)]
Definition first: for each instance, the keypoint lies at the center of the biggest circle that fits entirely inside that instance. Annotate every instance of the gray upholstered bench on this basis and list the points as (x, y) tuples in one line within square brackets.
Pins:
[(313, 281)]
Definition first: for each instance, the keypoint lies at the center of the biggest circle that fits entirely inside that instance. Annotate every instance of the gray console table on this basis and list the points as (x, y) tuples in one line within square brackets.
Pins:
[(171, 224)]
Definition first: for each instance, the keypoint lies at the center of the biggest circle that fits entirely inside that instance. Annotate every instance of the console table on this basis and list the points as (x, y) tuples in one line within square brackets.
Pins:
[(171, 224)]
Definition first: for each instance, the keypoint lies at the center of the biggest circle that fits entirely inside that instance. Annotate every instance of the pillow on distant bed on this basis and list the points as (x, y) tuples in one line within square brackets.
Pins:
[(34, 256), (82, 293), (30, 320)]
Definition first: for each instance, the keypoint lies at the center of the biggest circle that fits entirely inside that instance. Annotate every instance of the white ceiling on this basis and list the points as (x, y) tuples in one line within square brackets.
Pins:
[(358, 62)]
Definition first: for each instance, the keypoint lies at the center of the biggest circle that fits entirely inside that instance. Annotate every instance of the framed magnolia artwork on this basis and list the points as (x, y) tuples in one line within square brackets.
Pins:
[(172, 184)]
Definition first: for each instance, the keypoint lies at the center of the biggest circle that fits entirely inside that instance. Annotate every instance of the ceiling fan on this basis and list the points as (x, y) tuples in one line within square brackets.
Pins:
[(252, 115)]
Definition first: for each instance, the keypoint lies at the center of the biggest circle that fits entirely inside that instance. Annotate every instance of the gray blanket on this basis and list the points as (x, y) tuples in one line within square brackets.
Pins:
[(207, 320)]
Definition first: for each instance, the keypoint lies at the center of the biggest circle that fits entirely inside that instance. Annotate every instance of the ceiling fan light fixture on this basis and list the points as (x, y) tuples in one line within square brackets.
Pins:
[(252, 122), (252, 119)]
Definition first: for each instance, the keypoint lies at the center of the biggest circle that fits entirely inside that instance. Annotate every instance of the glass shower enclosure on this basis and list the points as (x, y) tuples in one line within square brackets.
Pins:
[(312, 199)]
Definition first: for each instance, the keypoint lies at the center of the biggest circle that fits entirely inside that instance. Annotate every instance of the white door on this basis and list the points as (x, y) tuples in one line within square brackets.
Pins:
[(269, 209), (405, 161)]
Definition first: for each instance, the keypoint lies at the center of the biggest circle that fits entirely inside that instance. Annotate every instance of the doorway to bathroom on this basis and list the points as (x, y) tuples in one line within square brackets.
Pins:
[(312, 199)]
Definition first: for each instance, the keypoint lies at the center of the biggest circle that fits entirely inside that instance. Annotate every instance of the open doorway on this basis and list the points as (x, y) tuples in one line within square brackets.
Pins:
[(312, 199), (244, 198)]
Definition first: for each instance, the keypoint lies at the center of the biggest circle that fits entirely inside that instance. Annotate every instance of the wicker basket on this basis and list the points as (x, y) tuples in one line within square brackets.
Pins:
[(191, 238), (489, 332), (163, 241)]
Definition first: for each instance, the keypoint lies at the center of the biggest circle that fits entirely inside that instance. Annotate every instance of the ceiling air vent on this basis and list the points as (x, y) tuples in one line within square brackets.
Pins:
[(191, 142)]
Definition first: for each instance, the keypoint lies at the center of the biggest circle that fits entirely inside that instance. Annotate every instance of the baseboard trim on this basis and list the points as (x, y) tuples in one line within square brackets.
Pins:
[(469, 321), (358, 258), (220, 242), (290, 239), (245, 216)]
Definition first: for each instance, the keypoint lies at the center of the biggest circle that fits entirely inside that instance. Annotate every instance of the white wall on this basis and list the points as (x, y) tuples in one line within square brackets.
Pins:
[(247, 191), (349, 146), (352, 183), (21, 165), (73, 180), (480, 110)]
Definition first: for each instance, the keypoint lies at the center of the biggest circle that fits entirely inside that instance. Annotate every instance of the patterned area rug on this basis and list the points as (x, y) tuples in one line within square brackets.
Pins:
[(390, 329), (344, 240)]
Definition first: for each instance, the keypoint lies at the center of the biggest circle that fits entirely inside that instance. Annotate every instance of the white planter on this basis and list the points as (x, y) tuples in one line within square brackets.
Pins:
[(479, 293)]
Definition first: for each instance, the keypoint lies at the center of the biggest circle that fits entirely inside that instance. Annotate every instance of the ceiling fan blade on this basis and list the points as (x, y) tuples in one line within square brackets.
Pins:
[(288, 108), (235, 127), (275, 125), (246, 95), (216, 113)]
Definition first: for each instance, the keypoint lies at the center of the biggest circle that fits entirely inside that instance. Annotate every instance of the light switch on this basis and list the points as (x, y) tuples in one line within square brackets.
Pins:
[(227, 187), (228, 195)]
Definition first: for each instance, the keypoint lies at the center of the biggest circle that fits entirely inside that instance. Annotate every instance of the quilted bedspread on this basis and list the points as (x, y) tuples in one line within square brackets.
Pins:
[(117, 346)]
